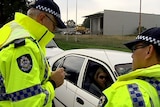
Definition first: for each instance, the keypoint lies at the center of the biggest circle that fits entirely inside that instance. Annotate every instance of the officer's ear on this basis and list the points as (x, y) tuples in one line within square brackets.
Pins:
[(150, 51), (41, 18)]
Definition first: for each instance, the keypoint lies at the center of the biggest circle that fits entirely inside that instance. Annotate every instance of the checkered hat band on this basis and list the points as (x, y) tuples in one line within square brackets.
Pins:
[(149, 39), (46, 9), (136, 95)]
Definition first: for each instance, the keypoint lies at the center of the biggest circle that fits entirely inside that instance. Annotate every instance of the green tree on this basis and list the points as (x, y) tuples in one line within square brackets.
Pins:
[(8, 9), (86, 23), (71, 23), (142, 28)]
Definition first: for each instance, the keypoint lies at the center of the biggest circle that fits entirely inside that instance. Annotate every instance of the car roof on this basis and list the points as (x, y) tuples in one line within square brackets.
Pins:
[(114, 56)]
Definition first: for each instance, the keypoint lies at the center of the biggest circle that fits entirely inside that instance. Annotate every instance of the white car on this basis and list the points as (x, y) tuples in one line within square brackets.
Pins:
[(79, 66), (52, 49)]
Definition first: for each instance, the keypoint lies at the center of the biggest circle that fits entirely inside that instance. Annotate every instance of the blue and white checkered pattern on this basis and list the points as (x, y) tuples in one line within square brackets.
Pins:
[(149, 39), (3, 95), (2, 88), (22, 94), (136, 95), (46, 9), (47, 97), (25, 93), (155, 83), (29, 92)]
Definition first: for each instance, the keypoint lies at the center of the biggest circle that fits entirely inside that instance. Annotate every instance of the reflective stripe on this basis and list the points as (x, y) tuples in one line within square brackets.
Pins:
[(47, 97), (155, 83), (29, 92), (44, 60), (46, 69), (3, 95), (136, 95), (25, 93), (2, 88)]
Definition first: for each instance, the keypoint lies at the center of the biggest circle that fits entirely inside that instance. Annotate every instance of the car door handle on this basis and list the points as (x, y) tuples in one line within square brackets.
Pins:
[(79, 100)]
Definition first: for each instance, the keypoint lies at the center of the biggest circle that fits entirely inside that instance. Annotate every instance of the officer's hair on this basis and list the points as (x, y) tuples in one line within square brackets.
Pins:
[(33, 13), (157, 49)]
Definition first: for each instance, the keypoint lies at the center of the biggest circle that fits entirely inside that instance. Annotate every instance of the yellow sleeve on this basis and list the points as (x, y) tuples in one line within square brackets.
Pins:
[(119, 95), (22, 69)]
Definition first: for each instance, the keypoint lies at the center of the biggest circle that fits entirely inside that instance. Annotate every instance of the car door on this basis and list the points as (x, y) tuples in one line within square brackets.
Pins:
[(73, 92), (65, 95), (84, 98)]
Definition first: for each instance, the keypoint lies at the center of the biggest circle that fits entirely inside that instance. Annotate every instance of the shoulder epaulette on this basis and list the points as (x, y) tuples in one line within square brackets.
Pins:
[(19, 42)]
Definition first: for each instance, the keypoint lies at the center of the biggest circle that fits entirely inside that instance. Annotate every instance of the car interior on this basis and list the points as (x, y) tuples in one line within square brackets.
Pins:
[(90, 71), (73, 69)]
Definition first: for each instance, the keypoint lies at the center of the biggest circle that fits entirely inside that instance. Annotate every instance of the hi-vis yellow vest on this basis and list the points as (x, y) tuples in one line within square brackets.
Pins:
[(24, 71), (140, 88)]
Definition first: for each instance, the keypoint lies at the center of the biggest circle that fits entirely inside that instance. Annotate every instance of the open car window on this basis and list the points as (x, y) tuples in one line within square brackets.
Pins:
[(89, 78), (72, 66), (123, 68)]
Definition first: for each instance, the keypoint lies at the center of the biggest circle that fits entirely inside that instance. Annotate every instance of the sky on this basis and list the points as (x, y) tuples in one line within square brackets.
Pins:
[(88, 7)]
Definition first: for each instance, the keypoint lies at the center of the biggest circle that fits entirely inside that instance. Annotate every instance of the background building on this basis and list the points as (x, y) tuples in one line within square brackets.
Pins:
[(110, 22)]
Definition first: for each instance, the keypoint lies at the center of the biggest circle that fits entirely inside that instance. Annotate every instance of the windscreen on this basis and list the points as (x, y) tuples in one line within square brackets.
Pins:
[(123, 68)]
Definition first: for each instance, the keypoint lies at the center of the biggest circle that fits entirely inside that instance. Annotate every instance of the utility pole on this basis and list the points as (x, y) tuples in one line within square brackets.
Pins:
[(139, 29), (67, 23), (76, 22)]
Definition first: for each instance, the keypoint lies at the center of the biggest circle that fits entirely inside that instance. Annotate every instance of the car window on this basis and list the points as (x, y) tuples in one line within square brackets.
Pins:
[(90, 72), (51, 44), (57, 64), (123, 68), (72, 66)]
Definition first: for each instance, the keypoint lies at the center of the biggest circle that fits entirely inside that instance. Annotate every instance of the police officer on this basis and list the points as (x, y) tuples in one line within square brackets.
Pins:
[(25, 76), (141, 87)]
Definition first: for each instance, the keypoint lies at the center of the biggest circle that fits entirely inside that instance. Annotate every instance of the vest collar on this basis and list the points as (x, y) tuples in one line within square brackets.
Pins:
[(37, 30)]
